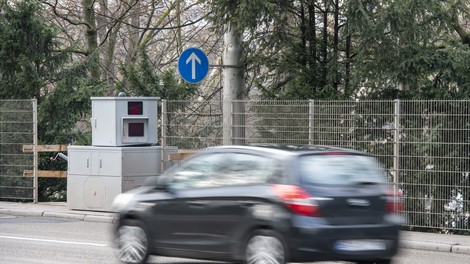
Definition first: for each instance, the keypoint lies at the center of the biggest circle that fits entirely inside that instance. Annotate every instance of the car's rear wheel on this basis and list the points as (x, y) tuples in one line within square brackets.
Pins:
[(132, 242), (265, 247)]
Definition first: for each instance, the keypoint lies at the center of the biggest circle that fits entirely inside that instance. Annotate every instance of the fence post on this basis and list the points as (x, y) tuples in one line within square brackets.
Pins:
[(238, 122), (163, 138), (35, 151), (227, 111), (164, 124), (396, 144), (310, 121)]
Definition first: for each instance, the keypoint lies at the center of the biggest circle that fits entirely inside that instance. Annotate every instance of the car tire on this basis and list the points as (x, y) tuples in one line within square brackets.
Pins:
[(265, 247), (132, 242)]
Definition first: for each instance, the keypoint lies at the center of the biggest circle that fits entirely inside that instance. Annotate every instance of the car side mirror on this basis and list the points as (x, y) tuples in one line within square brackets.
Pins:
[(162, 183), (158, 182)]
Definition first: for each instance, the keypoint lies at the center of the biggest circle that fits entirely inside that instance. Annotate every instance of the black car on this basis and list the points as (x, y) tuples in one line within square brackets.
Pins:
[(267, 204)]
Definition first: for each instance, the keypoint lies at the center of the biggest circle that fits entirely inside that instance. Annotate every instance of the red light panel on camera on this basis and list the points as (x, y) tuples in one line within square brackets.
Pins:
[(135, 108)]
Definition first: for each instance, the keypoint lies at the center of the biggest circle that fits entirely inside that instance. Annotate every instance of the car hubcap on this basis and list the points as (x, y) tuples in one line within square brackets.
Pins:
[(132, 244), (264, 250)]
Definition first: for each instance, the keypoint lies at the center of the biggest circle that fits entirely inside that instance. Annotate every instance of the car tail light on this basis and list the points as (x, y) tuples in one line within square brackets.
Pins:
[(298, 200), (393, 203)]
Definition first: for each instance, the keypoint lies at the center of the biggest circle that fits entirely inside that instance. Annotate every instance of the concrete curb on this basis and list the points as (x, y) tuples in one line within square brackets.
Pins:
[(65, 215), (22, 212), (429, 246), (80, 217), (99, 219), (461, 249), (434, 246), (4, 211)]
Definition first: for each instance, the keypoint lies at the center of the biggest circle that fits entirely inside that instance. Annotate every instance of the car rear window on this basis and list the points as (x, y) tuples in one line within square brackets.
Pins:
[(341, 169)]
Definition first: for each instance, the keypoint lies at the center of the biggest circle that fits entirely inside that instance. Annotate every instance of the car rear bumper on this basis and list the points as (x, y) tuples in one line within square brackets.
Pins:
[(349, 243)]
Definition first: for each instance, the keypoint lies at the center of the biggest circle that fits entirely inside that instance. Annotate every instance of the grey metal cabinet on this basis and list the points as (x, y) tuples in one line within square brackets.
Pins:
[(97, 174)]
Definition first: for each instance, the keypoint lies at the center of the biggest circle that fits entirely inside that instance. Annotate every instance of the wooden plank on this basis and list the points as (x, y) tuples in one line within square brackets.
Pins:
[(45, 148), (46, 174), (181, 155)]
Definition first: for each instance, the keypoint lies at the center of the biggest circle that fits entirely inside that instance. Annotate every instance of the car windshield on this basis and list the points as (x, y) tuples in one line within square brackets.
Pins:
[(341, 169)]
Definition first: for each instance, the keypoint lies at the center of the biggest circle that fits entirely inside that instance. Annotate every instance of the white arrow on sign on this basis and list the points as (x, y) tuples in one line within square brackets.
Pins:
[(193, 58)]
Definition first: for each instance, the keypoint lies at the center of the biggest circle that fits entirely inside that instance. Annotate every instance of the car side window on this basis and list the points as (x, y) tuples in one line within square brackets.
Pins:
[(195, 173), (223, 169), (241, 169)]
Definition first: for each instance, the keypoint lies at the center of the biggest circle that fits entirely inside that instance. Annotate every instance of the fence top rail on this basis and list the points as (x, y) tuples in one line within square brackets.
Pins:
[(16, 100), (326, 101), (293, 101)]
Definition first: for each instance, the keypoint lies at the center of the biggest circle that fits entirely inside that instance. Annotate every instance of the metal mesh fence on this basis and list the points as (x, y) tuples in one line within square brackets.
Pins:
[(16, 130), (275, 122), (423, 144), (192, 125), (434, 163)]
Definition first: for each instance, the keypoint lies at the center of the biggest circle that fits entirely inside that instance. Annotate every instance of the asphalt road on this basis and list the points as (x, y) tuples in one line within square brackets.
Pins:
[(54, 240)]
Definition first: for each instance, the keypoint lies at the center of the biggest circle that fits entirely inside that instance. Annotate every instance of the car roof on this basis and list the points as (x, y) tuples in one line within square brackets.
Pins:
[(288, 149)]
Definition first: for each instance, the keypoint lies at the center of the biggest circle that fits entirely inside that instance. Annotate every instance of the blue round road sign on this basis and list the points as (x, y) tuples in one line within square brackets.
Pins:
[(193, 65)]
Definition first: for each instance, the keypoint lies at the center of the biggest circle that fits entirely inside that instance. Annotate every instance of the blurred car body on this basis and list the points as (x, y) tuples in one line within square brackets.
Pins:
[(263, 204)]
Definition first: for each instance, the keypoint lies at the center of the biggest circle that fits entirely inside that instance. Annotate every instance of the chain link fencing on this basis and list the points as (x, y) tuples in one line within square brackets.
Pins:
[(17, 128)]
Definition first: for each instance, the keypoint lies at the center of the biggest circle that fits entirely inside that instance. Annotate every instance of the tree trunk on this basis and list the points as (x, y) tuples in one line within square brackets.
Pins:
[(324, 60), (313, 46), (134, 33), (91, 36), (347, 77), (109, 32), (179, 41), (303, 30), (336, 46)]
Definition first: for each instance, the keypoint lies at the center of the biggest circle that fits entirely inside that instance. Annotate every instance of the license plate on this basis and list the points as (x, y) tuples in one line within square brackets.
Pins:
[(361, 245)]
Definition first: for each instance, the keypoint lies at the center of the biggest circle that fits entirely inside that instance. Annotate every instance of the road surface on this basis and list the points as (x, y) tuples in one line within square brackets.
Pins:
[(41, 240)]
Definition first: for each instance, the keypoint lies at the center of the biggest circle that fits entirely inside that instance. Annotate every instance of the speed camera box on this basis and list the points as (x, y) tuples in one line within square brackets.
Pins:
[(124, 121)]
